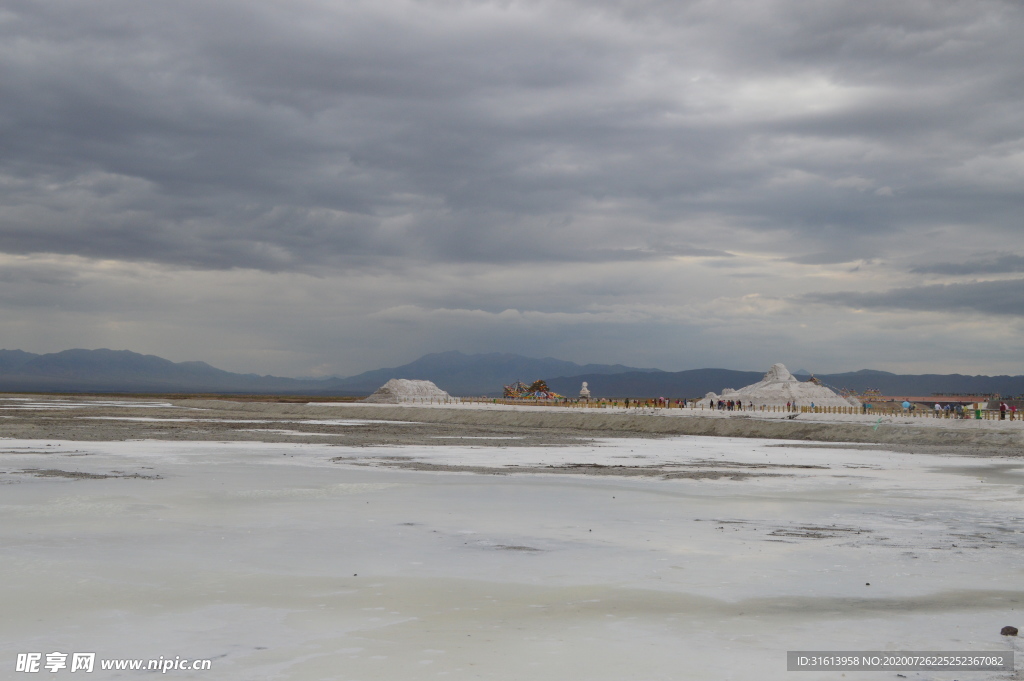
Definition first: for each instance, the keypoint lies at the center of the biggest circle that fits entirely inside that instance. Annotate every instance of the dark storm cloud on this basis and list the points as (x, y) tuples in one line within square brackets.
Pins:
[(282, 136), (994, 265), (989, 297)]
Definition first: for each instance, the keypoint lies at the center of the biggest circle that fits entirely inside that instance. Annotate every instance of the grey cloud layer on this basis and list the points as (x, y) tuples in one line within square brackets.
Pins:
[(284, 136), (331, 186), (992, 265), (988, 297)]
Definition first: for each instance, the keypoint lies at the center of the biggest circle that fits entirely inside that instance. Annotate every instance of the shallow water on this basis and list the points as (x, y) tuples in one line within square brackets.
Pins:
[(282, 561)]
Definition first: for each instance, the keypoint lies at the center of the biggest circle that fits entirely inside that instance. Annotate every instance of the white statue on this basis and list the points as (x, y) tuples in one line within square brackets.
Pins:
[(584, 393)]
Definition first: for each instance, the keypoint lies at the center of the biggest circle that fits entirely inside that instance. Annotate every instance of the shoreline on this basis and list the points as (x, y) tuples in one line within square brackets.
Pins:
[(976, 436), (93, 418)]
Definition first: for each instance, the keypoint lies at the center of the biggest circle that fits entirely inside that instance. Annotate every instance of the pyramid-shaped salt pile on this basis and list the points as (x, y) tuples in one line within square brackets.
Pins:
[(399, 390), (779, 387)]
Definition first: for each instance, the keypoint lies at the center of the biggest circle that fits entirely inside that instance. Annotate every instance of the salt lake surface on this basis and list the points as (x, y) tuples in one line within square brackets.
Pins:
[(307, 561)]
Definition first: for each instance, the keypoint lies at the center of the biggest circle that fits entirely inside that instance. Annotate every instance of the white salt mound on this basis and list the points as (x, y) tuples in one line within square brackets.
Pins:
[(779, 387), (399, 390)]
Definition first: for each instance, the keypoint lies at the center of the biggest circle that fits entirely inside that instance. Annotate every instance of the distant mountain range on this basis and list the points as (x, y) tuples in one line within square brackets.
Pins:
[(125, 371), (484, 374), (460, 374)]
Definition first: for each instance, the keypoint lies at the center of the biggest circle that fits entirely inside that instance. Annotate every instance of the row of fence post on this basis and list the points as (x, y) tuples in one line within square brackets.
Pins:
[(978, 414)]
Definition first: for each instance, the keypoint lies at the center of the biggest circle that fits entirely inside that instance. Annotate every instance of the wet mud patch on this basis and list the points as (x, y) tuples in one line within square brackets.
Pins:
[(977, 540), (274, 423), (741, 464), (1000, 474), (492, 546), (817, 531), (793, 531), (949, 534), (981, 450), (30, 451), (663, 472), (81, 475)]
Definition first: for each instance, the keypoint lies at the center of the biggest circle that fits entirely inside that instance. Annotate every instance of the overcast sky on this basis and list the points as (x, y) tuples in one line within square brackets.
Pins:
[(312, 188)]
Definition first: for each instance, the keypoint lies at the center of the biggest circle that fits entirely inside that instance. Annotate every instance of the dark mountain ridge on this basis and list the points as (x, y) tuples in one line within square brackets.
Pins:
[(12, 359), (482, 374), (106, 370)]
